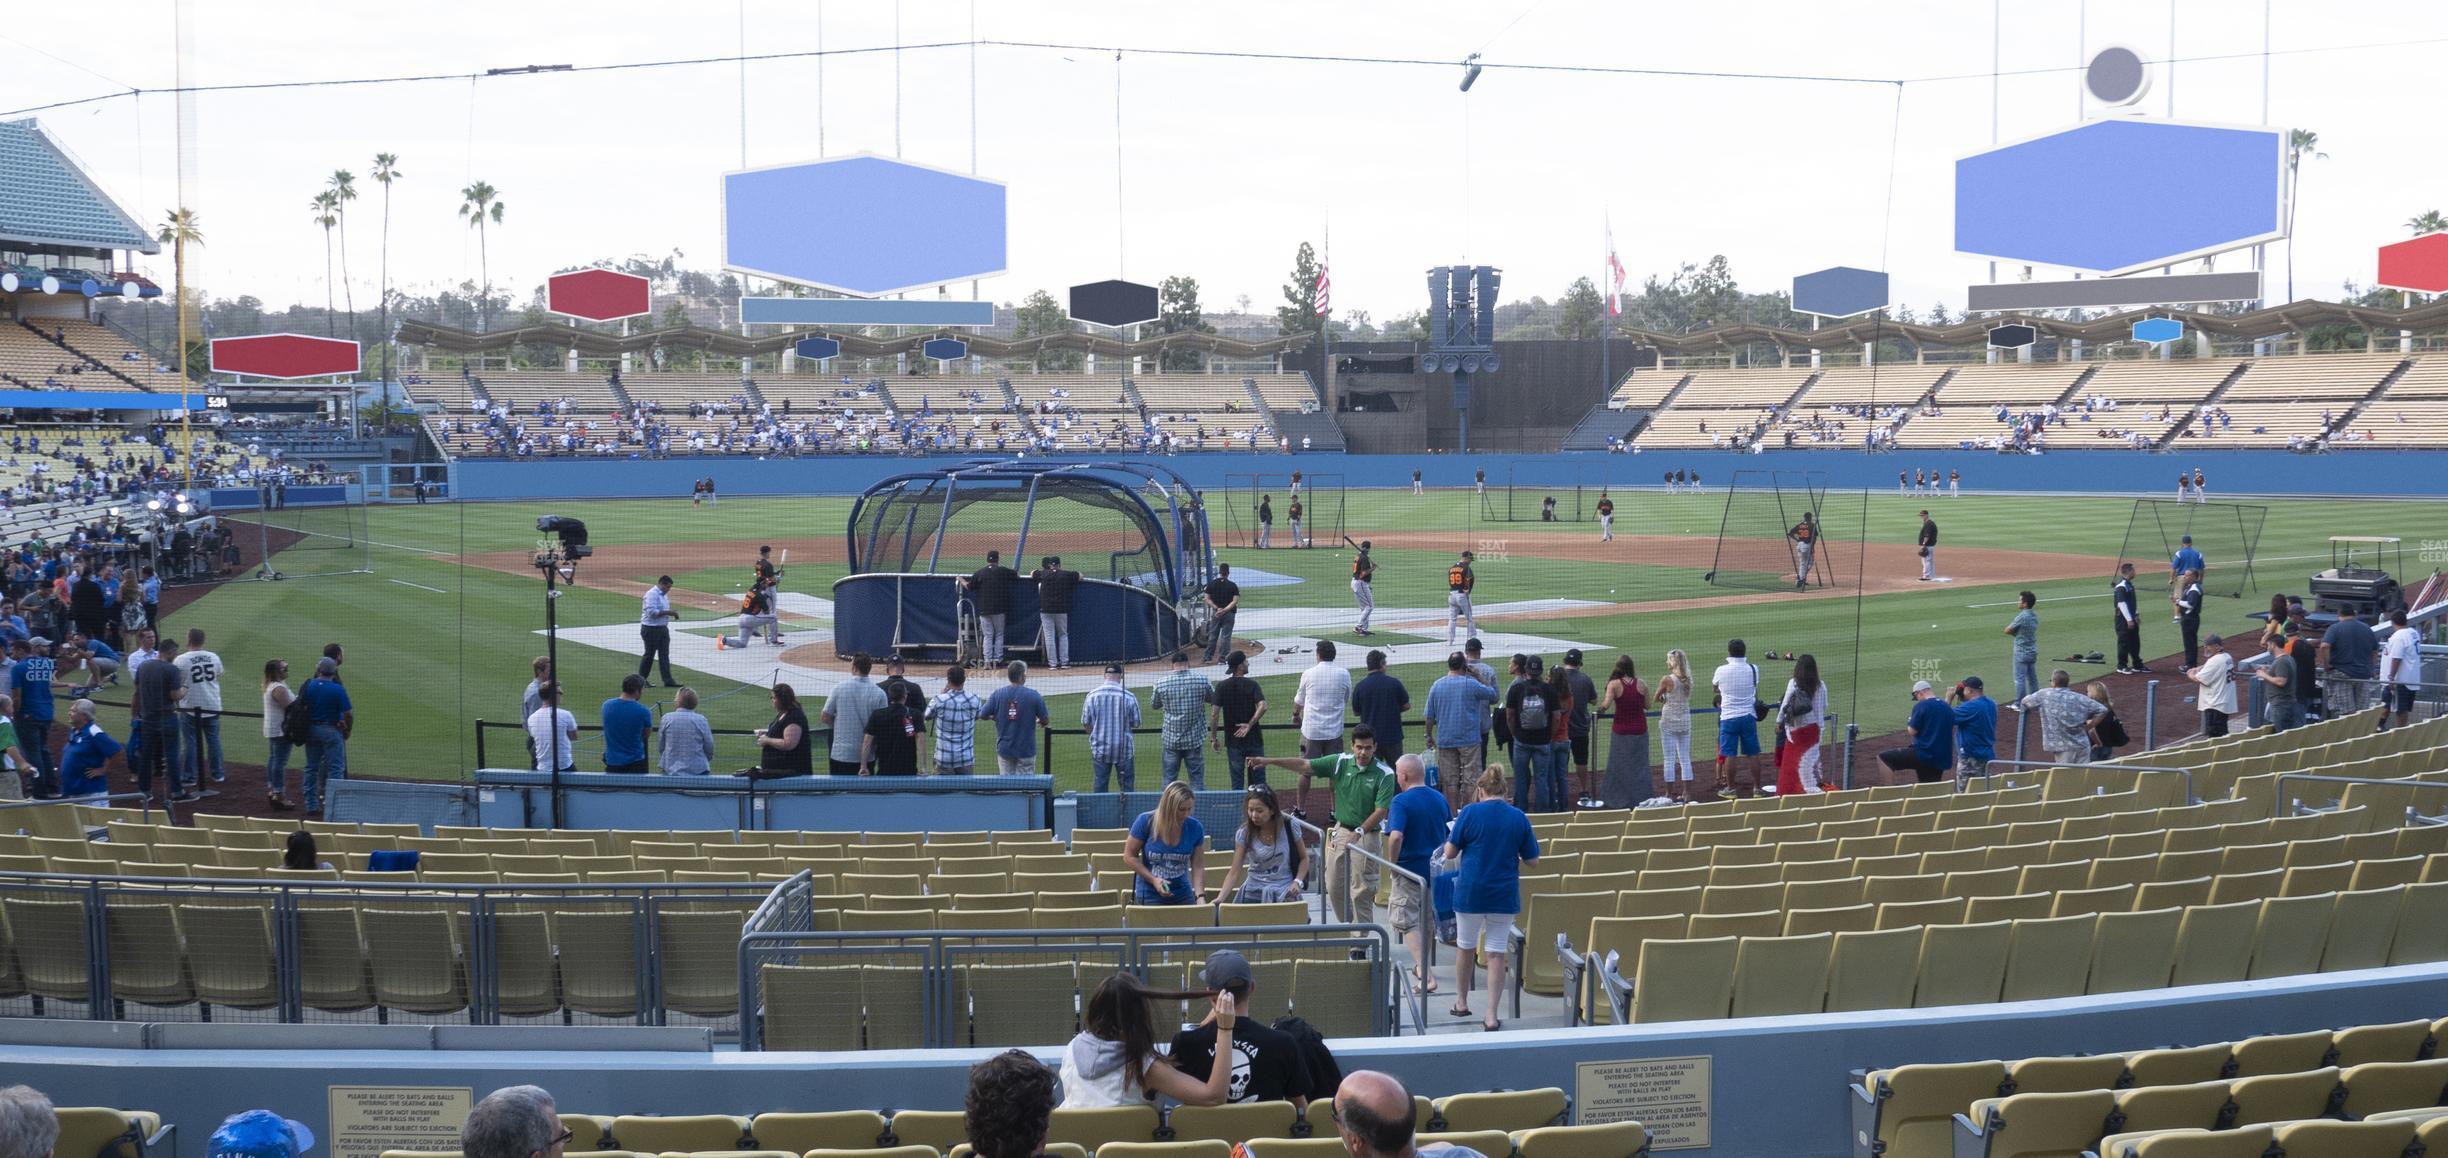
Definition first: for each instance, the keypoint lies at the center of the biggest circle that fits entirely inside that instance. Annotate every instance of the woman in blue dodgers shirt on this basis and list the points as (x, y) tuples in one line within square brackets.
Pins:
[(1168, 851)]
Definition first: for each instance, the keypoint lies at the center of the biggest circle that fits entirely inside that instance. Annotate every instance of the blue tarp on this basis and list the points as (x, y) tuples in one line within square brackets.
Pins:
[(94, 400)]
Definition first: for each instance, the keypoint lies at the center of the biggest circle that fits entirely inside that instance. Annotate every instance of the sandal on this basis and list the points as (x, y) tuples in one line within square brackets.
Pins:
[(1497, 1025), (1427, 984), (1458, 1011)]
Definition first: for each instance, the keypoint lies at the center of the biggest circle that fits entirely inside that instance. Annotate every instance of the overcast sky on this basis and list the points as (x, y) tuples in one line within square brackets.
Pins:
[(1225, 164)]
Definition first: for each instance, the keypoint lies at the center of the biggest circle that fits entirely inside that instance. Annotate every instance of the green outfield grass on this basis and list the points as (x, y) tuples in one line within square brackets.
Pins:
[(433, 646)]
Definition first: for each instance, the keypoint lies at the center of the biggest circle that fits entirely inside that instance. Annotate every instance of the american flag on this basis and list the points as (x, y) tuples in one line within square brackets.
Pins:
[(1614, 278), (1323, 285)]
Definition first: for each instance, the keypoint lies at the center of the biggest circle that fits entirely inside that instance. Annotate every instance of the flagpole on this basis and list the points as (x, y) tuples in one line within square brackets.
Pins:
[(1606, 313)]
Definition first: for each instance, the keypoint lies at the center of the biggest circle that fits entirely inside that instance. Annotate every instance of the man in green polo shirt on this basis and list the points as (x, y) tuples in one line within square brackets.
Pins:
[(1363, 790)]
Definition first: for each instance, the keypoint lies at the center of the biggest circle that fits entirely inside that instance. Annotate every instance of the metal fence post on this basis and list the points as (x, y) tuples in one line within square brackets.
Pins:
[(1852, 737), (2150, 715)]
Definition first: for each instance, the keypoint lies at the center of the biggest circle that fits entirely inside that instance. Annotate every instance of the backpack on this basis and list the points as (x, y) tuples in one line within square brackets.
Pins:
[(1324, 1072), (297, 720), (1533, 710), (2112, 732)]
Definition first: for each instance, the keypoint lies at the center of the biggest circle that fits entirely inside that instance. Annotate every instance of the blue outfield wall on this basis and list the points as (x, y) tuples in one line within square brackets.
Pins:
[(2375, 472), (1776, 1085)]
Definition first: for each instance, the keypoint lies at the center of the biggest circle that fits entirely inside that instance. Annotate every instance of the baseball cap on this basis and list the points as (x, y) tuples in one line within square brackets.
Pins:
[(1974, 682), (1921, 685), (1469, 555), (1113, 669), (1572, 655), (2215, 640), (2186, 539), (1226, 968), (261, 1134)]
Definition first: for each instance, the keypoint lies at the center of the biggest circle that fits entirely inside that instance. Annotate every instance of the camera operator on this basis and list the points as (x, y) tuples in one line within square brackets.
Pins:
[(1975, 727)]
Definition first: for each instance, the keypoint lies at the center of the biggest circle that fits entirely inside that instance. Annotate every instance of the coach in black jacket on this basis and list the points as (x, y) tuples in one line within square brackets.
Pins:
[(85, 605), (1054, 589), (2128, 621)]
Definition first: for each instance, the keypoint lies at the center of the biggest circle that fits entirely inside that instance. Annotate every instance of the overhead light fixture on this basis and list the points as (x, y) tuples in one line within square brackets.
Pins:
[(1470, 71)]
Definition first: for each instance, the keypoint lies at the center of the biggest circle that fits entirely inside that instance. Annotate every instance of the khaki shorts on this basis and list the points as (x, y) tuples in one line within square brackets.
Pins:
[(1402, 911), (1316, 748)]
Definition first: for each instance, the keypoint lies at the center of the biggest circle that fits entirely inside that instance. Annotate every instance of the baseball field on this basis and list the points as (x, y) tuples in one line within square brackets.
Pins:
[(441, 632)]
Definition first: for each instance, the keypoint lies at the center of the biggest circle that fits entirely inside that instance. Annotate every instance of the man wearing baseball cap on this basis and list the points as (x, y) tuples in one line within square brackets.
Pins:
[(1933, 748), (1975, 726), (1267, 1065), (1108, 714), (261, 1134)]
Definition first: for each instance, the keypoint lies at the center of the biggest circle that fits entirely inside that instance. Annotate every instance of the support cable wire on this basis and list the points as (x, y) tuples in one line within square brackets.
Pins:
[(1861, 558), (819, 54)]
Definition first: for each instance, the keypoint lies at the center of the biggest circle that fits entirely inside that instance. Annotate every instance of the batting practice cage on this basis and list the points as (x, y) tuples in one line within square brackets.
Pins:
[(2226, 534), (1136, 533), (1321, 511), (1575, 485), (1756, 546)]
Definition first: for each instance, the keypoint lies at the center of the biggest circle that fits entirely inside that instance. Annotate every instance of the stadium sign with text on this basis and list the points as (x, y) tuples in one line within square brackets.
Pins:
[(1114, 303), (284, 356), (598, 295), (2120, 195), (2416, 266), (945, 349), (863, 225), (2157, 330), (817, 349), (1840, 292), (2013, 337)]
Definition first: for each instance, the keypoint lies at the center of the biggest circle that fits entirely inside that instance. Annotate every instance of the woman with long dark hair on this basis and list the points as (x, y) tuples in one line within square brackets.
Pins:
[(783, 750), (1804, 710), (1266, 850), (1113, 1060), (1627, 765), (300, 853), (1555, 780)]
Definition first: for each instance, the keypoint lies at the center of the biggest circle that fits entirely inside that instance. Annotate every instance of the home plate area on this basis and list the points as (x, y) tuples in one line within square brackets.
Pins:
[(1285, 635)]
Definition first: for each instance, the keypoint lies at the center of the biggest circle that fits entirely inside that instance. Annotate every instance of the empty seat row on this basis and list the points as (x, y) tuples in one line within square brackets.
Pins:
[(1922, 966), (2310, 1115), (1910, 1109)]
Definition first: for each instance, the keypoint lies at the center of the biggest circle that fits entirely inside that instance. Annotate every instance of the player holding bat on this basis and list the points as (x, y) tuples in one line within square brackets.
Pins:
[(1363, 580)]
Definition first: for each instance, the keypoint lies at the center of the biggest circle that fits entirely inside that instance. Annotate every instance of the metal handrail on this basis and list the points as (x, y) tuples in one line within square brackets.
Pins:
[(1427, 922), (2325, 778), (99, 798), (2187, 773)]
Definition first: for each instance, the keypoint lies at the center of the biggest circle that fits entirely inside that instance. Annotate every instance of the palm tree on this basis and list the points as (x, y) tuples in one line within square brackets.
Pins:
[(343, 189), (476, 203), (324, 210), (2428, 221), (2300, 144), (386, 170), (179, 230)]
